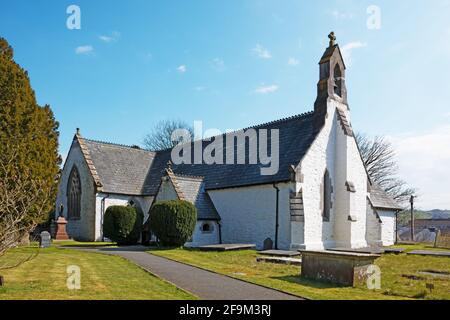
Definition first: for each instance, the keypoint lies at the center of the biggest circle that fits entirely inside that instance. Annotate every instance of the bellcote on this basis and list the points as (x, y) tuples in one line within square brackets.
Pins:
[(332, 78)]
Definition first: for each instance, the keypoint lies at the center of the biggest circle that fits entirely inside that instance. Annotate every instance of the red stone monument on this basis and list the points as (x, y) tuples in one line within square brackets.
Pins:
[(61, 233)]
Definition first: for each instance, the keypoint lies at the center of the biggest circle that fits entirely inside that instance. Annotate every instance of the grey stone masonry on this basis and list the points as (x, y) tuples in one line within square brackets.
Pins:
[(45, 239), (296, 206)]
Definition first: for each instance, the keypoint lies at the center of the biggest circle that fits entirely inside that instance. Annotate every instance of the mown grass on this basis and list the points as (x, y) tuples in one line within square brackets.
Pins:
[(396, 280), (102, 277)]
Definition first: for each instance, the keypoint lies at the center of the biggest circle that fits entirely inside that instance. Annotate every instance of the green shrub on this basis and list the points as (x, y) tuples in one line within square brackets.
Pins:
[(123, 224), (173, 221)]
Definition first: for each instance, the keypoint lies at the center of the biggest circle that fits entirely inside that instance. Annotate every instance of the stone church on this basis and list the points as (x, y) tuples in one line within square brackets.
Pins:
[(321, 196)]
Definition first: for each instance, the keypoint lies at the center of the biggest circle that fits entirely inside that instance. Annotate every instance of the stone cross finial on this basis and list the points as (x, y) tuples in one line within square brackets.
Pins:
[(78, 131), (332, 38)]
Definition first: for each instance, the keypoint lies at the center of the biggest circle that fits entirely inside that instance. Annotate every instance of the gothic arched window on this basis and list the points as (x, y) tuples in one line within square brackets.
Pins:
[(338, 80), (74, 195), (326, 196)]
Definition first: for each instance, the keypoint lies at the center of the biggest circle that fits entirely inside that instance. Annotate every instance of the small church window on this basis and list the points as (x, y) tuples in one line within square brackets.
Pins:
[(326, 196), (338, 80), (74, 195), (206, 228)]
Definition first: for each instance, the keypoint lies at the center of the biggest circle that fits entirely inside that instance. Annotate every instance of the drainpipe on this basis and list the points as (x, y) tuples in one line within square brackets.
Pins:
[(103, 209), (220, 231), (276, 215)]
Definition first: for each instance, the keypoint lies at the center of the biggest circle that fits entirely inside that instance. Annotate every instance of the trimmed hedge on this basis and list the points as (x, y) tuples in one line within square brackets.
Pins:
[(173, 222), (123, 224)]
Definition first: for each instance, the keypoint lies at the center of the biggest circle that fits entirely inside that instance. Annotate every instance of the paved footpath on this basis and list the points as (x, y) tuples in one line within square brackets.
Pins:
[(204, 284)]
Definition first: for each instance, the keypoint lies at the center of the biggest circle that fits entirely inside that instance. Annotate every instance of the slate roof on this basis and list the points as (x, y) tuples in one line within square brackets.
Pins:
[(126, 170), (296, 134), (381, 200), (131, 171), (121, 169), (192, 190)]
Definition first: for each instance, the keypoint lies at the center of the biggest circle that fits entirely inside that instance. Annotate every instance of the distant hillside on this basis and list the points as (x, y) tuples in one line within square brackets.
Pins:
[(405, 216), (439, 214)]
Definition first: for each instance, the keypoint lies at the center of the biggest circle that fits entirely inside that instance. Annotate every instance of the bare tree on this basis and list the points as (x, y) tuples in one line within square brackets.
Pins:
[(23, 203), (379, 159), (160, 138)]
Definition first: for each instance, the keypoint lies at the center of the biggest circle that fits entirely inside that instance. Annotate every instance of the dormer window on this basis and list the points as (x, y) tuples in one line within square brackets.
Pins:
[(337, 80)]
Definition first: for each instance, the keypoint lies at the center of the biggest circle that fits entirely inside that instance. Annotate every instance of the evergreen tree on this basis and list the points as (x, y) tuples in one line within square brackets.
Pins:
[(28, 141)]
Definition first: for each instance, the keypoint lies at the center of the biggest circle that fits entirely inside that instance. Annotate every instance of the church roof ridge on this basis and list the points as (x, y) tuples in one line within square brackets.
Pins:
[(278, 121), (132, 147)]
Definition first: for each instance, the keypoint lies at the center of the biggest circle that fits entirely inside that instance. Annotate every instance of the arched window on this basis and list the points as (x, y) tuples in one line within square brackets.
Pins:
[(206, 227), (74, 195), (338, 80), (326, 196)]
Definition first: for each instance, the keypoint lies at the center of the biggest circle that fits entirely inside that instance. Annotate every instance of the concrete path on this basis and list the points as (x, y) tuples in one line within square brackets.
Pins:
[(204, 284)]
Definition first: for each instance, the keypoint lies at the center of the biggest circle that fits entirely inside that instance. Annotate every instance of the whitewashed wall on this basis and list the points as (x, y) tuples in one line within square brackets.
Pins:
[(373, 228), (337, 152), (248, 214), (388, 227), (117, 200), (319, 234), (200, 238), (84, 228), (349, 167)]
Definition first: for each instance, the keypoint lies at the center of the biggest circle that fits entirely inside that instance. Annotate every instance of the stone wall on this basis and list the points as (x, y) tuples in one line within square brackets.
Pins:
[(83, 228)]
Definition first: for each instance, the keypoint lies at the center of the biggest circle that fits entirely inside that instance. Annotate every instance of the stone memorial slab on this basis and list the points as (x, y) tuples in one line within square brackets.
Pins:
[(343, 268), (46, 240)]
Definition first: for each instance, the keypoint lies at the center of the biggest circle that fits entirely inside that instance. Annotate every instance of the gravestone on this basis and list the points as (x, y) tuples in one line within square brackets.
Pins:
[(268, 244), (46, 240)]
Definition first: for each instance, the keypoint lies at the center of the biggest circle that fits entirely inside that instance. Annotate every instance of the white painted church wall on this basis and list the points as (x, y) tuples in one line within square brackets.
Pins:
[(84, 228), (319, 234), (117, 200), (201, 238), (373, 228), (349, 167), (388, 227), (248, 214)]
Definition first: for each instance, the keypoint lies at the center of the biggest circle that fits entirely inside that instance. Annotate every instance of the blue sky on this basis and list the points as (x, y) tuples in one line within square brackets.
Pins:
[(235, 63)]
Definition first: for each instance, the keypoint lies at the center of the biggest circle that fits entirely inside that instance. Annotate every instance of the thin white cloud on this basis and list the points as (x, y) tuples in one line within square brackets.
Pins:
[(293, 62), (88, 49), (261, 52), (423, 160), (218, 64), (266, 89), (182, 69), (347, 50), (110, 38)]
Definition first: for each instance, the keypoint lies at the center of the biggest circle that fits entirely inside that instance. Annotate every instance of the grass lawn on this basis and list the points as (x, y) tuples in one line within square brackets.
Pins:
[(102, 277), (399, 279)]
